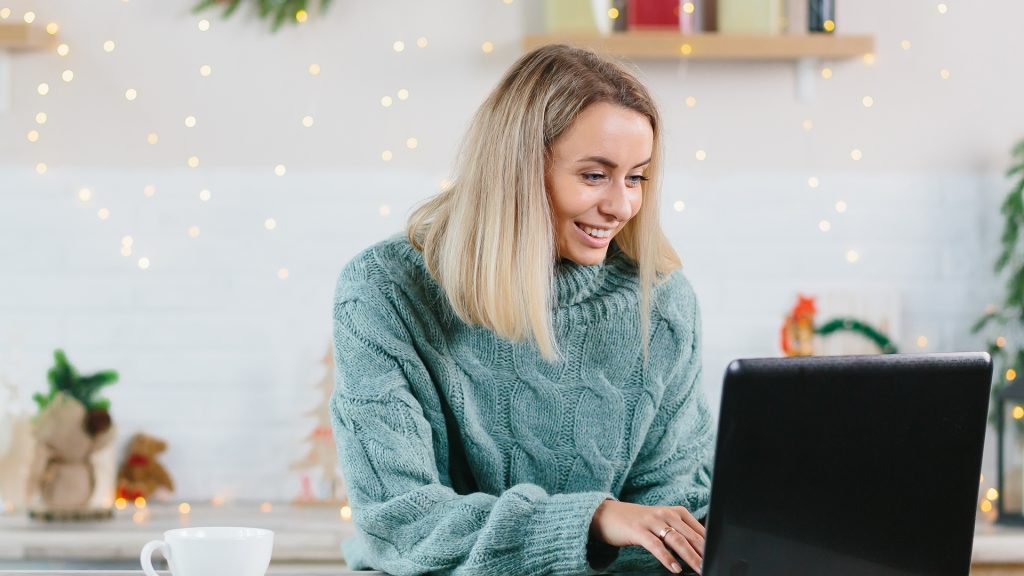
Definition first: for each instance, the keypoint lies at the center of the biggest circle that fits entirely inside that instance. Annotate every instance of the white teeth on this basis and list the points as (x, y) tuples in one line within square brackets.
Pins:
[(596, 233)]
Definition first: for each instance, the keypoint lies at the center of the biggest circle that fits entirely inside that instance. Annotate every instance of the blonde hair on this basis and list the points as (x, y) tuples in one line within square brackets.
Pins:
[(488, 238)]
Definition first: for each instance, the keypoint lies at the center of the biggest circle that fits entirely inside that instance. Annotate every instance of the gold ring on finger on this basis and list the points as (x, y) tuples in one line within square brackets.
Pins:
[(664, 532)]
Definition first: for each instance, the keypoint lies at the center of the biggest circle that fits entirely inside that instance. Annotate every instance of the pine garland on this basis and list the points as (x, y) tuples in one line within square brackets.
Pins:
[(276, 11), (853, 325), (65, 378), (1010, 316)]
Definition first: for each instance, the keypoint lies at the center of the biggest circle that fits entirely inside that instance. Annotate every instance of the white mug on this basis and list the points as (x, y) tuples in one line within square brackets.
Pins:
[(212, 551)]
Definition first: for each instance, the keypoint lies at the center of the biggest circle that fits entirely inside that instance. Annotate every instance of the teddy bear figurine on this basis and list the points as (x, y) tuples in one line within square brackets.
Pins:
[(140, 474)]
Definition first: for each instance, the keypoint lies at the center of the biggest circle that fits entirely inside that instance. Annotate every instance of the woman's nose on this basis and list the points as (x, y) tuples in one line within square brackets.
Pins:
[(616, 202)]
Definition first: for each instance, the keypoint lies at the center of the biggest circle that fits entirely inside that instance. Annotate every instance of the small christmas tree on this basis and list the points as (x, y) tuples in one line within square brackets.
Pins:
[(1007, 347), (322, 455)]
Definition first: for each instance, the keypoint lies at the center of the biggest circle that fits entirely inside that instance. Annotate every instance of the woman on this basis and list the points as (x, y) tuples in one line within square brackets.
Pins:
[(518, 375)]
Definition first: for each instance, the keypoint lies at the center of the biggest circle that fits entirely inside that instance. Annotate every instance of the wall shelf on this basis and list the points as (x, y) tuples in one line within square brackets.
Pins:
[(20, 37), (671, 44)]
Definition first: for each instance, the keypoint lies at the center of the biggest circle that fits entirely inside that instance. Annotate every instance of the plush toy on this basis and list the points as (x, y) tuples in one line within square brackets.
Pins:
[(141, 474), (66, 437)]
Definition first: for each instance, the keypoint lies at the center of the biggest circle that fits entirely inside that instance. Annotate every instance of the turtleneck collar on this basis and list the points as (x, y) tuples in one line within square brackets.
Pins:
[(575, 282)]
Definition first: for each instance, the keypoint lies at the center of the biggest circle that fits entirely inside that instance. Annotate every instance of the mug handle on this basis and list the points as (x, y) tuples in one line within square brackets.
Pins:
[(147, 555)]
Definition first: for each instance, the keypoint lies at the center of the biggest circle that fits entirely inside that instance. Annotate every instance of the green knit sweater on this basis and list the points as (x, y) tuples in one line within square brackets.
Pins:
[(467, 453)]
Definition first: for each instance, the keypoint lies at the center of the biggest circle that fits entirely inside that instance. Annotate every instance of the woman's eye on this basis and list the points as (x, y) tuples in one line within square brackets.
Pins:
[(593, 176), (636, 179)]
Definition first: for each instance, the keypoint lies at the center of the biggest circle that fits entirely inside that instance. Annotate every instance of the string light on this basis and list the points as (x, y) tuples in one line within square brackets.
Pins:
[(386, 101), (193, 161), (386, 155), (205, 195), (1018, 412), (266, 507), (688, 7), (41, 118), (152, 138), (1011, 374), (67, 76), (411, 143), (986, 506), (33, 136), (280, 169), (868, 101), (944, 74), (131, 94), (403, 94), (193, 232), (992, 494), (41, 168), (398, 46), (126, 251), (691, 101), (84, 194), (217, 500), (829, 26), (205, 70), (922, 341), (282, 273), (487, 47), (314, 69), (127, 241), (384, 210), (812, 182), (144, 265), (184, 508), (1000, 341), (30, 17), (852, 256), (43, 89), (109, 46), (840, 206), (943, 8), (63, 50), (686, 49), (190, 121), (120, 503), (613, 13), (826, 73), (701, 155), (421, 41), (824, 225), (869, 59), (808, 125), (270, 223), (203, 25), (856, 154), (103, 214), (301, 16), (307, 121), (905, 44), (5, 13), (149, 190), (679, 205), (346, 513), (139, 517), (52, 28)]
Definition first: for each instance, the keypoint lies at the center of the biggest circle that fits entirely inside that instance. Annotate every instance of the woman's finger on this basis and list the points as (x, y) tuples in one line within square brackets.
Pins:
[(690, 520), (655, 546), (684, 548)]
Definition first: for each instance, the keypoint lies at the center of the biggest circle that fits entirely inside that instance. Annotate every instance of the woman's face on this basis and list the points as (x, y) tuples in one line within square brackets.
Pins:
[(593, 179)]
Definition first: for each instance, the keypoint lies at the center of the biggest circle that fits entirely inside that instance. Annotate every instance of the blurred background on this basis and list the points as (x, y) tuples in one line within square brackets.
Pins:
[(179, 190)]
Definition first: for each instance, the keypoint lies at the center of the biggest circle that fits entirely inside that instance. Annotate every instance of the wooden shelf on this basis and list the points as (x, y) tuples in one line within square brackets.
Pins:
[(671, 44), (19, 36)]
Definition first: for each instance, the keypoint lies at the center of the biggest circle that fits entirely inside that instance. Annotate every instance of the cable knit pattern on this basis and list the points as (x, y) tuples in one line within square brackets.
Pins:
[(466, 453)]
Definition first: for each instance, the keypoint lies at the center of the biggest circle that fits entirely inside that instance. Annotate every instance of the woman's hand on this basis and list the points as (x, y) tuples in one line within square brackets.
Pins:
[(625, 524)]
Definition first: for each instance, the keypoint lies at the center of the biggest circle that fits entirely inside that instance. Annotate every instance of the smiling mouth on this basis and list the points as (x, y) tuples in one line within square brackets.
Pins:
[(595, 232)]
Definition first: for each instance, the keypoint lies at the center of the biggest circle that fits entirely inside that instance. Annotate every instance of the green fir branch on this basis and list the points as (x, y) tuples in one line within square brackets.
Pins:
[(277, 12)]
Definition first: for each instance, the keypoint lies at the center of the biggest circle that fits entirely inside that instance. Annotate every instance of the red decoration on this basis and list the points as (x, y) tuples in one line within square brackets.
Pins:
[(653, 14)]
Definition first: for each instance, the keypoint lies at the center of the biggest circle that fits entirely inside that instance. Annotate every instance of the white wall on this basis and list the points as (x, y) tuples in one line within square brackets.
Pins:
[(220, 356)]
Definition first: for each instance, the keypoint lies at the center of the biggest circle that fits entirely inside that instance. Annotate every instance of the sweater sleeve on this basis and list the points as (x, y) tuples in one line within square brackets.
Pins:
[(673, 467), (409, 521)]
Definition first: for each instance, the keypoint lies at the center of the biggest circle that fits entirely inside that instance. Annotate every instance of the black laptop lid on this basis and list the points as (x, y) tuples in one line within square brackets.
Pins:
[(848, 465)]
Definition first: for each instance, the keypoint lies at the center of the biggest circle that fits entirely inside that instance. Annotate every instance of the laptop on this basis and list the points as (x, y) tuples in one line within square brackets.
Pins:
[(848, 465)]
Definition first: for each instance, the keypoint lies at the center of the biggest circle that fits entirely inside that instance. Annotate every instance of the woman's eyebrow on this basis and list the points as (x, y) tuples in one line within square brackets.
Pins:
[(607, 162)]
